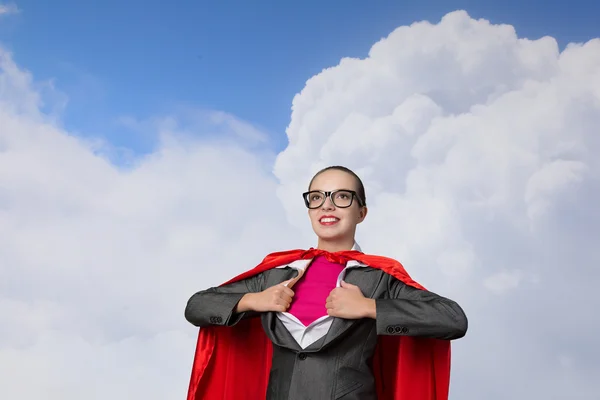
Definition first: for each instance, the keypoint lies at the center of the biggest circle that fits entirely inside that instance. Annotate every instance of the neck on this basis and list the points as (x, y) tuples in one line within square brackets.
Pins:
[(335, 245)]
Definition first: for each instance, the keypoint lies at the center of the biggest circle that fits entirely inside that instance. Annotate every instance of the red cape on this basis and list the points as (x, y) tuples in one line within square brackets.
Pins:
[(233, 363)]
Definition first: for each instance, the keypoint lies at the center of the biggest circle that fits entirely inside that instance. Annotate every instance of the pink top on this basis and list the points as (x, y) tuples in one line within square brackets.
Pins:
[(313, 288)]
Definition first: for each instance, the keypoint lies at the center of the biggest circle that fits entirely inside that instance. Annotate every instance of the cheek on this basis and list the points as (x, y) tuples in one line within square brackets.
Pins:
[(357, 217), (351, 218)]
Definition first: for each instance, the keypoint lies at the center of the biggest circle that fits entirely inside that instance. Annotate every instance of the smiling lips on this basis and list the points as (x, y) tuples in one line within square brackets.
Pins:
[(328, 220)]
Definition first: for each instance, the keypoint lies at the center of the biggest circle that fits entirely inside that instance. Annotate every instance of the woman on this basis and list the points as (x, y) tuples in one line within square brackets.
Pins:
[(325, 314)]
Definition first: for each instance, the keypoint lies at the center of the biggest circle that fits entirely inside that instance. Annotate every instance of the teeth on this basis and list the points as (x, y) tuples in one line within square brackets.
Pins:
[(328, 219)]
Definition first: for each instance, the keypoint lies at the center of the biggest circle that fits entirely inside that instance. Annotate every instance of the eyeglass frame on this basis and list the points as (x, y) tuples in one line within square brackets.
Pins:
[(330, 196)]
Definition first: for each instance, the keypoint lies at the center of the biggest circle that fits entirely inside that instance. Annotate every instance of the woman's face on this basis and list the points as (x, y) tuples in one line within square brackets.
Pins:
[(331, 223)]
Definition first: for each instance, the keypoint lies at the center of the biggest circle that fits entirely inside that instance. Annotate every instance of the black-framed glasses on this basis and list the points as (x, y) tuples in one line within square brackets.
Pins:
[(341, 198)]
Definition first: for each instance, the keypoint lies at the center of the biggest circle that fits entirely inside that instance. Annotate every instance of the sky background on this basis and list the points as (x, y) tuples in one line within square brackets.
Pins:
[(135, 139), (139, 59)]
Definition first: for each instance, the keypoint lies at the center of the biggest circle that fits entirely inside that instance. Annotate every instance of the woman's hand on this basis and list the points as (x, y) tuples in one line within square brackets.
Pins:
[(349, 302), (276, 298)]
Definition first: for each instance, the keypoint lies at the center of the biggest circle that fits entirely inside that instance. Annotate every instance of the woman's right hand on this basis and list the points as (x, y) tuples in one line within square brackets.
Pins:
[(276, 298)]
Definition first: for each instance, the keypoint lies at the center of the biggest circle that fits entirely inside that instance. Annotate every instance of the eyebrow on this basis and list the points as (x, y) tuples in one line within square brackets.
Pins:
[(321, 190)]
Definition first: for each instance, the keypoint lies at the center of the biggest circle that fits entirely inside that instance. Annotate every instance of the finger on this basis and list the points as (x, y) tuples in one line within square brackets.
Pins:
[(287, 291), (287, 285), (291, 282), (282, 299), (281, 308), (296, 279), (347, 285), (283, 291)]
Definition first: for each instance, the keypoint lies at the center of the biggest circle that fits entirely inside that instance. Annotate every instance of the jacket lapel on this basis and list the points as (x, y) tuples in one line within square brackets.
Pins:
[(367, 279)]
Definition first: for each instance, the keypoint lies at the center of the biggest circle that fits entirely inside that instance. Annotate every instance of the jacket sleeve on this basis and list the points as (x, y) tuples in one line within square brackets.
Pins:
[(413, 312), (216, 305)]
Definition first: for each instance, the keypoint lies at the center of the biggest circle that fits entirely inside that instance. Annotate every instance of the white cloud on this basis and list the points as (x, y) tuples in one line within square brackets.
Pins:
[(9, 8), (503, 281), (547, 180), (97, 261), (478, 151)]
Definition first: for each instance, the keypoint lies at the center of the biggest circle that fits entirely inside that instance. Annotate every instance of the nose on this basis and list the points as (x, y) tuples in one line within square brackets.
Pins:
[(328, 204)]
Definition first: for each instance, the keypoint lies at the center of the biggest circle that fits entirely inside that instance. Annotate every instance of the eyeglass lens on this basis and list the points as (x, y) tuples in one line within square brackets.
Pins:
[(340, 199)]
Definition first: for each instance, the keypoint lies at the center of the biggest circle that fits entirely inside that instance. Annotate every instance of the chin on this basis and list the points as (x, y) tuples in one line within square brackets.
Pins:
[(329, 235)]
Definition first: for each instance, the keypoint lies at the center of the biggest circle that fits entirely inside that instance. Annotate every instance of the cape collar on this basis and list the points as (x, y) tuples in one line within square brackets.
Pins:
[(302, 264)]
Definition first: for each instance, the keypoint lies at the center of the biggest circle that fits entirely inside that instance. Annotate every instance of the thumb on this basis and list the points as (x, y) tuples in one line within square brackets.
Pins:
[(291, 282), (347, 285)]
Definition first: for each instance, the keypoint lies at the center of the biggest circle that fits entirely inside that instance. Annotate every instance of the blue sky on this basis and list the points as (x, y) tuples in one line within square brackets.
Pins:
[(144, 59)]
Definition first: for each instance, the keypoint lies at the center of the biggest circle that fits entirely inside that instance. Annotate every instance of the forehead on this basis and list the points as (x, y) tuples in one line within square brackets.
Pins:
[(332, 180)]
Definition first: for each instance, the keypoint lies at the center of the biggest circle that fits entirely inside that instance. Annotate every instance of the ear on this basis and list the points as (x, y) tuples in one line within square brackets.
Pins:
[(362, 214)]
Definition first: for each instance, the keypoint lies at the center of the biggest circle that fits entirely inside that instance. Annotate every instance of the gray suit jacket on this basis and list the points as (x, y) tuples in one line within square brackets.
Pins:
[(337, 365)]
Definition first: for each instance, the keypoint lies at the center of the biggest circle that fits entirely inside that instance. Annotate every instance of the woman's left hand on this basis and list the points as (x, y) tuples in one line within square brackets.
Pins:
[(348, 302)]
